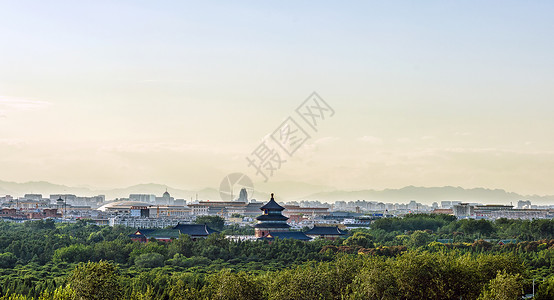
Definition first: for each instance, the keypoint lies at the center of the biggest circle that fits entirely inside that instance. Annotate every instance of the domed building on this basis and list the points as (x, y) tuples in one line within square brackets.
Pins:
[(165, 199)]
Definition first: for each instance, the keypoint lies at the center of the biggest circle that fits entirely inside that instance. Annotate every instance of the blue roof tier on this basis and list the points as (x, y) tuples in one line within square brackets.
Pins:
[(272, 205), (293, 235), (271, 218), (325, 230), (271, 225), (155, 233), (194, 229)]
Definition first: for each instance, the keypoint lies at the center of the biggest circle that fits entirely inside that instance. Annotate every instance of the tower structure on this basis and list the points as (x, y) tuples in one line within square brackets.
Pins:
[(271, 220)]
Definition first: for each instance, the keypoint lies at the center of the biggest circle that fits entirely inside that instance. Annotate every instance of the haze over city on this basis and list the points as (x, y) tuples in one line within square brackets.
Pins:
[(107, 94)]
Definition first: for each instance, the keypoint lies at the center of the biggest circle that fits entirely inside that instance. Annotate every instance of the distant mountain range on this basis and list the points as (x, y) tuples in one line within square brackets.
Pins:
[(289, 191), (429, 195)]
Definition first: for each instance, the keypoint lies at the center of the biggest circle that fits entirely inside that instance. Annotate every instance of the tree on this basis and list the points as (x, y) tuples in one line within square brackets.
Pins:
[(482, 227), (226, 285), (96, 280), (41, 224), (179, 291), (214, 222), (376, 280), (306, 282), (182, 261), (546, 290), (14, 297), (74, 253), (419, 239), (504, 287), (183, 245), (481, 245), (60, 293), (362, 239), (418, 275), (150, 260), (7, 260)]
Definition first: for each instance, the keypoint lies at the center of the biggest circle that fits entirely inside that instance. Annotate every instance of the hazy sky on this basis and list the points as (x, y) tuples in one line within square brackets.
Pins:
[(433, 93)]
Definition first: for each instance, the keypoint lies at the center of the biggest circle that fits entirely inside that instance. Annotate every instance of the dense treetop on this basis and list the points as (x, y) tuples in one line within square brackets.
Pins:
[(415, 257)]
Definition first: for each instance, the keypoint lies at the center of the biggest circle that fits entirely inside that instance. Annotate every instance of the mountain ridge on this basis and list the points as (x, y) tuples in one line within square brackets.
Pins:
[(300, 191), (428, 195)]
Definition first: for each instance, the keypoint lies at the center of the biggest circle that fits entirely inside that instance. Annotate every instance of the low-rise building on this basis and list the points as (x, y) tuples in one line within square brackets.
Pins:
[(295, 235), (145, 222), (195, 231), (295, 212), (326, 232), (162, 235), (462, 210)]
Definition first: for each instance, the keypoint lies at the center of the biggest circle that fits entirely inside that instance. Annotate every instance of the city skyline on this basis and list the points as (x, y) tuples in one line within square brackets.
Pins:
[(295, 192), (428, 94)]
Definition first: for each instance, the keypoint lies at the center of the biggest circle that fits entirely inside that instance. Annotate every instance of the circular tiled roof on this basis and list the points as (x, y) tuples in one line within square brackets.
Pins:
[(122, 204)]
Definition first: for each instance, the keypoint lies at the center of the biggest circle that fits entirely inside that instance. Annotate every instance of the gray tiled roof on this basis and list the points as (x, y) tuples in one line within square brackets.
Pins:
[(294, 235), (278, 217), (325, 230), (272, 225), (194, 229), (272, 205)]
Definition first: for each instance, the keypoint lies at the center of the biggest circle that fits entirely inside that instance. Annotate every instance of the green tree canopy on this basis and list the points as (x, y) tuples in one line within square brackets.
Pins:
[(362, 239), (504, 287), (96, 280), (214, 222)]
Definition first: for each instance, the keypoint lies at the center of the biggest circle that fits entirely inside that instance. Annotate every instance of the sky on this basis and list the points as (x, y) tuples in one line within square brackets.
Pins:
[(434, 93)]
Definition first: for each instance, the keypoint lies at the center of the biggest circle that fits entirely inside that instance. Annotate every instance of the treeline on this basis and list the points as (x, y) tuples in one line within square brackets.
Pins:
[(39, 258), (413, 275), (36, 241), (35, 256), (442, 226), (185, 253)]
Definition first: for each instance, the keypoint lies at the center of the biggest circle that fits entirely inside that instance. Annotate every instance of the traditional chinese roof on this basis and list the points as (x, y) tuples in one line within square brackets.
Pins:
[(278, 217), (272, 225), (194, 229), (294, 235), (325, 230), (156, 233), (509, 241), (272, 205)]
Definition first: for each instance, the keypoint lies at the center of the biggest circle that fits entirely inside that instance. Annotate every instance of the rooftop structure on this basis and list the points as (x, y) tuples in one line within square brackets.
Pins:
[(163, 235), (121, 206), (271, 220), (325, 232), (195, 230), (295, 211), (295, 235)]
